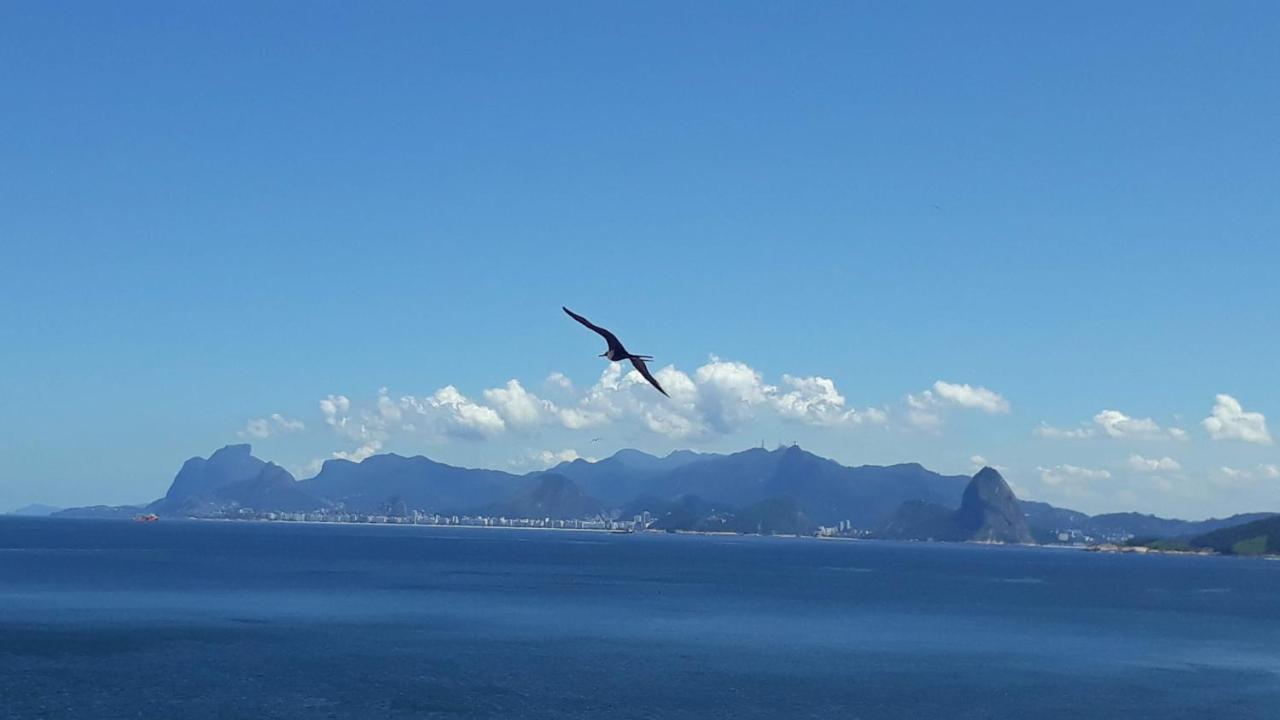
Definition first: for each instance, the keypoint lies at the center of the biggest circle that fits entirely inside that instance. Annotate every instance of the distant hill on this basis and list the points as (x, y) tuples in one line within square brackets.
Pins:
[(920, 520), (200, 477), (825, 490), (99, 512), (271, 488), (989, 512), (688, 512), (550, 495), (230, 478), (1261, 537), (421, 483), (36, 510), (626, 474), (1046, 521), (1150, 525), (772, 516)]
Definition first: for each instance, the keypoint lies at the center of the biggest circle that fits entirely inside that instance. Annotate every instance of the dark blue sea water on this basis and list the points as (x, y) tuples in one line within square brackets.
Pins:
[(239, 620)]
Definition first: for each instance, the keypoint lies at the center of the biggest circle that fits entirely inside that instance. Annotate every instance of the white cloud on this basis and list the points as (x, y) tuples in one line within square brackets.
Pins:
[(870, 416), (1230, 421), (720, 397), (370, 447), (1141, 464), (678, 385), (925, 410), (276, 424), (389, 412), (456, 415), (921, 414), (551, 458), (1114, 424), (559, 380), (670, 424), (286, 425), (1048, 431), (1070, 474), (980, 462), (518, 406), (309, 470), (257, 428), (1231, 477), (971, 397), (567, 455), (815, 401), (1118, 425), (335, 408), (727, 393), (577, 418), (627, 398)]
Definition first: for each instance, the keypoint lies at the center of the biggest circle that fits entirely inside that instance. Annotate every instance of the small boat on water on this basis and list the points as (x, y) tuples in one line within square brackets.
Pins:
[(147, 518)]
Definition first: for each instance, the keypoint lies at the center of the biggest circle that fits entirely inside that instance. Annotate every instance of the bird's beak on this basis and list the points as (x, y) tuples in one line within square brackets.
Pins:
[(603, 354)]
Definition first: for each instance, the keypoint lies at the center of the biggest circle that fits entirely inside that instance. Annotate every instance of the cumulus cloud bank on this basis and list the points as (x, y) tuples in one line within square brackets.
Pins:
[(1229, 421), (925, 410), (455, 415), (518, 407), (718, 398)]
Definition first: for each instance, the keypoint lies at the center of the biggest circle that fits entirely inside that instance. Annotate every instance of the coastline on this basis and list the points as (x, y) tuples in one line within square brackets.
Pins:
[(1104, 548)]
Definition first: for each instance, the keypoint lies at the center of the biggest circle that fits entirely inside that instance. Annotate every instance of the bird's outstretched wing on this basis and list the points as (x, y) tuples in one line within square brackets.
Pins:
[(609, 337), (644, 370)]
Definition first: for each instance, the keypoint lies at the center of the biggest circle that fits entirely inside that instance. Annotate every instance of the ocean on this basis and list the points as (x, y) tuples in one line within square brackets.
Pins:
[(102, 619)]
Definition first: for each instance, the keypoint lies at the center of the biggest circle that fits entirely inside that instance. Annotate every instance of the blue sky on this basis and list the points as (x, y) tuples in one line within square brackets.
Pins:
[(217, 213)]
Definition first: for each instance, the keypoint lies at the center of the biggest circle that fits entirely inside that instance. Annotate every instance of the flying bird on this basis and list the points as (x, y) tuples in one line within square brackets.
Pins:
[(618, 353)]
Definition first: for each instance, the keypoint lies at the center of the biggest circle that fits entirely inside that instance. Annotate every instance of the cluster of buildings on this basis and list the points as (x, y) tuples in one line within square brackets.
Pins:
[(1076, 536), (842, 529), (638, 523)]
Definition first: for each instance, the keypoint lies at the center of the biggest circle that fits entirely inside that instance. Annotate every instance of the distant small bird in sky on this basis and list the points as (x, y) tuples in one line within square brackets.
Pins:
[(617, 352), (595, 439)]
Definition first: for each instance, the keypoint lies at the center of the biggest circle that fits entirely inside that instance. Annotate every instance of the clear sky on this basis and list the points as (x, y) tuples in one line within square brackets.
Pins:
[(1043, 234)]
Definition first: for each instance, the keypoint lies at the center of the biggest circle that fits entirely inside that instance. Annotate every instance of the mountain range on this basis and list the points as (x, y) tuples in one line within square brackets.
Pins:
[(783, 490)]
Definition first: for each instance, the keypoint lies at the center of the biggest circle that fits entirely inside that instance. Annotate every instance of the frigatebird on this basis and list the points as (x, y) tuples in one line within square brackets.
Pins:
[(618, 353)]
